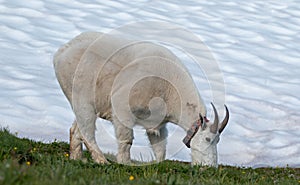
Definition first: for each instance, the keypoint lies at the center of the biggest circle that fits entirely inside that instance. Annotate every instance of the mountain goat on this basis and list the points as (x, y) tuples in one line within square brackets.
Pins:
[(130, 82)]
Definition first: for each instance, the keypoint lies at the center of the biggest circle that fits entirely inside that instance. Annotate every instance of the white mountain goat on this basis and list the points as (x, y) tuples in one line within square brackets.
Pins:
[(131, 83)]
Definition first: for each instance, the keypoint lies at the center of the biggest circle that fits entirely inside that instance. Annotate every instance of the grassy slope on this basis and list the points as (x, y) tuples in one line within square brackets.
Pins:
[(24, 161)]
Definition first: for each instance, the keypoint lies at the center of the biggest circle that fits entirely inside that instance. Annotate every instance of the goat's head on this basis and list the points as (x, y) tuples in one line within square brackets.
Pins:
[(203, 138)]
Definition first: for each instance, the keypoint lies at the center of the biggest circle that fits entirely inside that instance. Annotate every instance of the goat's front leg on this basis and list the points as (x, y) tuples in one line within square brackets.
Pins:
[(158, 140)]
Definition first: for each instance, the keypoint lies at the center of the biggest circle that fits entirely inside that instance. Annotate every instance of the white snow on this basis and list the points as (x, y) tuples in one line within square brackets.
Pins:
[(256, 44)]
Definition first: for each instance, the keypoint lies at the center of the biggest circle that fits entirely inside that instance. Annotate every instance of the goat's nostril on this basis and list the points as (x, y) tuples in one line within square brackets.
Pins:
[(208, 139)]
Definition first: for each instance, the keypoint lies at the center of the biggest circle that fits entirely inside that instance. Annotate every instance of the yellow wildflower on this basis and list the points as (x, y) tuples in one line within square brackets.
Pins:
[(33, 150), (131, 177), (66, 155), (28, 163), (15, 148)]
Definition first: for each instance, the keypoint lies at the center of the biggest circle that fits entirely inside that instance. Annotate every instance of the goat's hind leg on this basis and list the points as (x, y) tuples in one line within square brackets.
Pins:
[(87, 129), (75, 142)]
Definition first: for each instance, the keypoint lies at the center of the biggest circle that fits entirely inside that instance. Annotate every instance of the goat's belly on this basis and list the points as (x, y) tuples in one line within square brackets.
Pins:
[(150, 120)]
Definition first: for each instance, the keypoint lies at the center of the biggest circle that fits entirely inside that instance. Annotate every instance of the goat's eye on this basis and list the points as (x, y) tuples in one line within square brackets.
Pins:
[(208, 139)]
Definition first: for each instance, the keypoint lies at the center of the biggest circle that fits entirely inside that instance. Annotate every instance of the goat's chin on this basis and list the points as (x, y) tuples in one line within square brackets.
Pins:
[(204, 159)]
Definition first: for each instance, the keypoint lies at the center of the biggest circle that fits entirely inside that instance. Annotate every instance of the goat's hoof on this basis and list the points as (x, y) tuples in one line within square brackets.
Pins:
[(102, 161)]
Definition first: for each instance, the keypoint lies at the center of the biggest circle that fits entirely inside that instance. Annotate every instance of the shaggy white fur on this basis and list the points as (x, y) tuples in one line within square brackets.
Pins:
[(131, 82)]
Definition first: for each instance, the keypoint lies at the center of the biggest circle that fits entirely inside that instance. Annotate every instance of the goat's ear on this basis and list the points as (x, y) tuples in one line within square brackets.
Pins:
[(202, 122), (193, 130), (201, 118)]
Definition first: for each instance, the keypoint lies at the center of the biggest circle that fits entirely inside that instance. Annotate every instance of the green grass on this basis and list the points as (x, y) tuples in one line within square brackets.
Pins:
[(23, 161)]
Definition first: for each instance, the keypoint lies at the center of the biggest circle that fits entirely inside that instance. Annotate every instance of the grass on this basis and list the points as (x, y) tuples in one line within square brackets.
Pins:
[(23, 161)]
